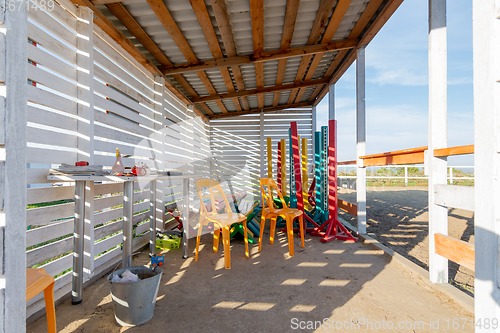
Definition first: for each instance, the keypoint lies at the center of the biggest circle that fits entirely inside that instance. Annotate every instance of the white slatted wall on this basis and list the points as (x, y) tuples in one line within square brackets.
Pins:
[(82, 105), (236, 144)]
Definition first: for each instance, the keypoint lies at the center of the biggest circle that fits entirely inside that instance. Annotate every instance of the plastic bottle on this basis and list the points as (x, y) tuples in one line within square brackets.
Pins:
[(118, 167)]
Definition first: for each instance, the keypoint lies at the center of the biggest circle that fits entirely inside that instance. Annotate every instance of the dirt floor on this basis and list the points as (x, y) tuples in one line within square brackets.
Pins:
[(337, 284), (398, 218)]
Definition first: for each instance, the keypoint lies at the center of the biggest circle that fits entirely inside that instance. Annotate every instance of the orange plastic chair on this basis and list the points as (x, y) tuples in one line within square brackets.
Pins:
[(271, 212), (37, 280), (221, 221)]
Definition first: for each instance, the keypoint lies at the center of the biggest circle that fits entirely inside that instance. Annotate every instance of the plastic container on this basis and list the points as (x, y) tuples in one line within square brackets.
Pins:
[(134, 302), (168, 243)]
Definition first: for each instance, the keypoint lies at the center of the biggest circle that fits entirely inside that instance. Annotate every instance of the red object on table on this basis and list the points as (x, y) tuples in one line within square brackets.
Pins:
[(81, 163)]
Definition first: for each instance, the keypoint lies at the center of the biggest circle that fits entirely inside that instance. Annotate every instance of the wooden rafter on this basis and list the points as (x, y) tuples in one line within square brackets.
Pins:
[(201, 12), (261, 57), (344, 58), (163, 14), (319, 23), (222, 18), (338, 14), (102, 22), (121, 13), (219, 97), (267, 109), (257, 17), (292, 8), (104, 2)]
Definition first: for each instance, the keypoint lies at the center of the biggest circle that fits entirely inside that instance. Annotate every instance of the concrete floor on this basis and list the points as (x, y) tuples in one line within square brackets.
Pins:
[(350, 286)]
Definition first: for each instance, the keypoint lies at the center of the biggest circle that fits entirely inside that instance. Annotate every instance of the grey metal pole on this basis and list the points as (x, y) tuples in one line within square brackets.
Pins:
[(185, 217), (128, 203), (79, 232), (152, 218)]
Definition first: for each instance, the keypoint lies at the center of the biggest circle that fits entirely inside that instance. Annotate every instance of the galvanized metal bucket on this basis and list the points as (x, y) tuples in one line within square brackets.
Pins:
[(134, 302)]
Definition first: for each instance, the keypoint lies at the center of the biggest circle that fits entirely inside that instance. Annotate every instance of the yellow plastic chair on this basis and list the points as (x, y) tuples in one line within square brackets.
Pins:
[(37, 280), (221, 221), (269, 211)]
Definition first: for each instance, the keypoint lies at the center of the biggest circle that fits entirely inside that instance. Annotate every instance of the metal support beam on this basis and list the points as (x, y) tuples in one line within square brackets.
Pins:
[(438, 215), (331, 101), (361, 140)]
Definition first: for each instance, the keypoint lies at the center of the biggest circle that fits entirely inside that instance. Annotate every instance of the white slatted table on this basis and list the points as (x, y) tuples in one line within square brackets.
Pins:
[(128, 202)]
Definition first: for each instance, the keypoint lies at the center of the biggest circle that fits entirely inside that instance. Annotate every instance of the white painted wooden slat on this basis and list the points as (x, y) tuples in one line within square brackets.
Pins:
[(109, 147), (117, 213), (118, 109), (45, 20), (119, 97), (42, 215), (42, 136), (60, 14), (36, 74), (108, 243), (53, 231), (142, 228), (101, 260), (455, 196), (49, 251), (103, 42), (48, 194), (118, 83), (48, 156), (47, 60), (123, 124), (37, 176), (45, 117), (51, 43), (110, 160), (109, 133), (59, 265), (37, 95), (113, 227)]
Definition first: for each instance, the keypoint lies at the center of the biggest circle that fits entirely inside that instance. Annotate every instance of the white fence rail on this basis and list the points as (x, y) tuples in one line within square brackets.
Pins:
[(406, 177)]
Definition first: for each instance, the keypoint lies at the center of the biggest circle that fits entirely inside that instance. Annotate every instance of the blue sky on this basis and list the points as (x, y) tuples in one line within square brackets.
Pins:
[(397, 85)]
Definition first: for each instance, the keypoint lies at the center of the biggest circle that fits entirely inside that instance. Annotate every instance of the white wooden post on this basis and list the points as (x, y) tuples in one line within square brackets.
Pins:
[(159, 147), (85, 126), (13, 119), (486, 40), (331, 101), (438, 215), (360, 139)]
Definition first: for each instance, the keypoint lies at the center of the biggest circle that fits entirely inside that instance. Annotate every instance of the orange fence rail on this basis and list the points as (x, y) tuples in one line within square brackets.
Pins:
[(348, 207), (456, 250)]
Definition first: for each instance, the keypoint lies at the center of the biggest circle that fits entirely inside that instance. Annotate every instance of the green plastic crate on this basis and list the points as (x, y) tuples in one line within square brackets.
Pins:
[(165, 244)]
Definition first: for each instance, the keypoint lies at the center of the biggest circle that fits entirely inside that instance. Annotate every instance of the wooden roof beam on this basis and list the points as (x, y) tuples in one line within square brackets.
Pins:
[(292, 8), (219, 97), (261, 57), (338, 14), (335, 73), (102, 22), (257, 18), (319, 23), (121, 13), (201, 12), (222, 18), (163, 14), (268, 109)]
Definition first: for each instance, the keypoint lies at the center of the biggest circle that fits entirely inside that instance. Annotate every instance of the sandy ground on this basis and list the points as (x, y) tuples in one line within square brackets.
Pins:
[(350, 285), (398, 217)]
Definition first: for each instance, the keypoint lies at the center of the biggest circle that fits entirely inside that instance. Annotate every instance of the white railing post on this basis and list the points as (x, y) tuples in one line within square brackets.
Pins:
[(263, 149), (360, 139), (85, 126), (406, 175), (13, 118), (438, 215), (159, 148), (486, 49)]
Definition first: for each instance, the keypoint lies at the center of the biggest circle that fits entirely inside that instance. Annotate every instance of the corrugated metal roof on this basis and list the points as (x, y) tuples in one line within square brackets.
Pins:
[(240, 21)]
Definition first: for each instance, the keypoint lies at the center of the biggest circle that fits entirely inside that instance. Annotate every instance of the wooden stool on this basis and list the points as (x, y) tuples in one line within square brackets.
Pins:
[(37, 280)]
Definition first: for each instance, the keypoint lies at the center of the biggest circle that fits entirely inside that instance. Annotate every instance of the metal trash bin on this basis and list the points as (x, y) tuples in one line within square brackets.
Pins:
[(134, 302)]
